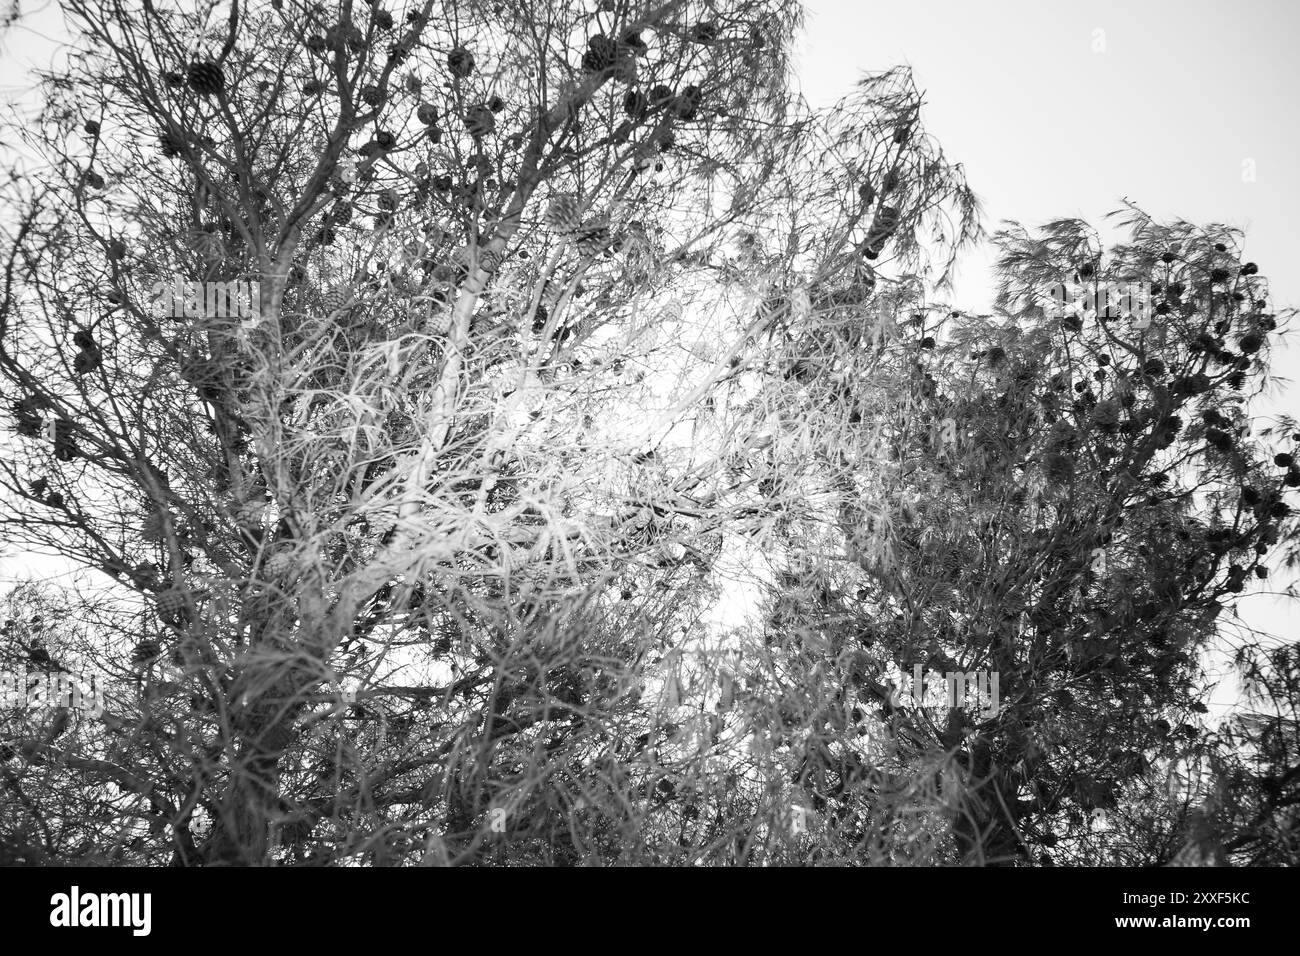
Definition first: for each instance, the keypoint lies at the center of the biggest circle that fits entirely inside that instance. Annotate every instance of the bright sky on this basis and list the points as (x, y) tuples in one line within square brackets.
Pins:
[(1061, 109)]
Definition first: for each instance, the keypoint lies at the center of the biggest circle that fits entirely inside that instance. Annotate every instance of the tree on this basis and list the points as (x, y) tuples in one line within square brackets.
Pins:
[(1068, 500), (397, 554)]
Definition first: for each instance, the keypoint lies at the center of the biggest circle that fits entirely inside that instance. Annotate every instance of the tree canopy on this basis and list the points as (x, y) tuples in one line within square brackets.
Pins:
[(588, 457)]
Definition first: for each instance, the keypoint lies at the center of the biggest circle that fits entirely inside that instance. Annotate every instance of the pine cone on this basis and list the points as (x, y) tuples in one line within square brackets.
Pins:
[(479, 121), (460, 62), (440, 322), (882, 229), (249, 513), (171, 144), (686, 105), (279, 564), (705, 33), (600, 55), (1221, 440), (170, 604), (86, 361), (563, 213), (65, 445), (145, 652), (660, 96), (347, 35), (144, 574), (28, 413), (635, 104), (593, 239), (206, 78), (336, 298)]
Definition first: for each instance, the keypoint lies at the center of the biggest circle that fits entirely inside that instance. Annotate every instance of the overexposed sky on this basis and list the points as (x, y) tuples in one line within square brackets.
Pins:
[(1182, 94)]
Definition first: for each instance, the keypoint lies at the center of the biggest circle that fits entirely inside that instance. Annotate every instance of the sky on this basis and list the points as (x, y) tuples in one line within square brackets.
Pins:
[(1055, 109), (1063, 109)]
